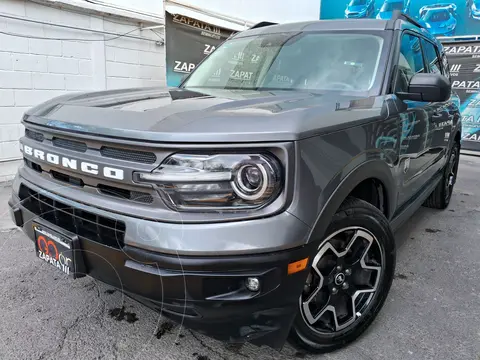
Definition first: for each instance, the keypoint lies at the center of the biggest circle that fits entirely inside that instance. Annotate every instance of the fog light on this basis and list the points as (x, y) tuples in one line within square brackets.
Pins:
[(252, 284)]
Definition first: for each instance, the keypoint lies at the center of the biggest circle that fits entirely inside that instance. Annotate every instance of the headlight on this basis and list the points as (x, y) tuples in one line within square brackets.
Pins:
[(213, 182)]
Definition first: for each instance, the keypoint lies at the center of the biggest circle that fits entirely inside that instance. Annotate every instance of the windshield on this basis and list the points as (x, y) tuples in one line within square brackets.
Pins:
[(292, 61), (392, 6), (437, 16), (358, 2)]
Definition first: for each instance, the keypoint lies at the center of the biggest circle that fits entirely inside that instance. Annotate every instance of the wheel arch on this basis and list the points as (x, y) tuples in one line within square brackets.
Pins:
[(375, 172)]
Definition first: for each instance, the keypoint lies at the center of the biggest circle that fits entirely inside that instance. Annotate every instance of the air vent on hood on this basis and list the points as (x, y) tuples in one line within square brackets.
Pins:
[(128, 155)]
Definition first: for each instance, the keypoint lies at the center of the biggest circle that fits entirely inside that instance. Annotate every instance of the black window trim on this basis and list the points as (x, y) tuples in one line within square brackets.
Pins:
[(397, 56), (437, 52)]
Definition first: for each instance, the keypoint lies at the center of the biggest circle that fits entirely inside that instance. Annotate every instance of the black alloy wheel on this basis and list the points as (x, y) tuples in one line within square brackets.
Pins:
[(344, 277), (451, 173), (349, 279)]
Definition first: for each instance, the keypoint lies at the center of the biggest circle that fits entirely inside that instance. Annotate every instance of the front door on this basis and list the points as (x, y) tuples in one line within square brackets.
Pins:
[(414, 121)]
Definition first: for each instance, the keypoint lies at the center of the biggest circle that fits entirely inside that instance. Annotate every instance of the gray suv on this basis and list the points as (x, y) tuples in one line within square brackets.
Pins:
[(257, 201)]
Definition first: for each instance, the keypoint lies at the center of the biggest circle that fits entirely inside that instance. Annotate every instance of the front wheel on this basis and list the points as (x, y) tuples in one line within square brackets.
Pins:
[(349, 281)]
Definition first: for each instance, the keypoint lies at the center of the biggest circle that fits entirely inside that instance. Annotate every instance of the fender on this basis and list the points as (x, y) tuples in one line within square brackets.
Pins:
[(376, 169)]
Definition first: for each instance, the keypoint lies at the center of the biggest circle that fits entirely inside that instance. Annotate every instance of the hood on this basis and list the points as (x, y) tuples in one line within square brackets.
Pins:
[(178, 115)]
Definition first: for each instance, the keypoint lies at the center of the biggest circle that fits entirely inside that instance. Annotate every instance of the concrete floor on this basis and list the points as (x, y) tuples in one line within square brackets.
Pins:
[(432, 312)]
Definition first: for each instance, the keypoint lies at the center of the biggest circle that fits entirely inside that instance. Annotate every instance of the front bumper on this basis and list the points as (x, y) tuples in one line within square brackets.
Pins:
[(205, 293)]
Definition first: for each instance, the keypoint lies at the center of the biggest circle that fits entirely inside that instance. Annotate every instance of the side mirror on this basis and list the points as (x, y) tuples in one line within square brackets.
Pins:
[(428, 88)]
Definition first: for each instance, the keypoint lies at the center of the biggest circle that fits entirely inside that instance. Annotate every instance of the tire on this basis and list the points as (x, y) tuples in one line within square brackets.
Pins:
[(361, 219), (441, 196)]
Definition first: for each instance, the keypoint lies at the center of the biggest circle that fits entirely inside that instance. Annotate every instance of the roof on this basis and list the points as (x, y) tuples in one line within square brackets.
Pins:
[(319, 25), (399, 21)]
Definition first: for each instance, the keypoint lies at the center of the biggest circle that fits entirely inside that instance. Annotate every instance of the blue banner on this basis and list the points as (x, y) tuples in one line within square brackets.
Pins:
[(464, 61), (449, 18)]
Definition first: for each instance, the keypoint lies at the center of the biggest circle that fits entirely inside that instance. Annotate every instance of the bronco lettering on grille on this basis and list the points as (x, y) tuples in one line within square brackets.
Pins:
[(83, 166)]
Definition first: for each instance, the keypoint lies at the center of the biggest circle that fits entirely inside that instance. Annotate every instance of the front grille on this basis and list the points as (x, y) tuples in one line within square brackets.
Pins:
[(125, 194), (106, 231), (33, 165), (128, 155), (67, 178), (34, 135), (136, 196), (69, 144)]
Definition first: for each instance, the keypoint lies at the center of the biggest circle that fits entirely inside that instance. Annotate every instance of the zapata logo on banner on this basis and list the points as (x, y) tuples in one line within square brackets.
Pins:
[(462, 50), (183, 67), (196, 24), (208, 49), (472, 85)]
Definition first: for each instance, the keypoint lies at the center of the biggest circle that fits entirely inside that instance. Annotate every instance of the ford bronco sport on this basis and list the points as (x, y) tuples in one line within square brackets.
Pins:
[(256, 202)]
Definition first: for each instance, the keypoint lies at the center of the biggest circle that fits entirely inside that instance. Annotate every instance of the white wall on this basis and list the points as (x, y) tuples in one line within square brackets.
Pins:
[(261, 10), (147, 6), (35, 70)]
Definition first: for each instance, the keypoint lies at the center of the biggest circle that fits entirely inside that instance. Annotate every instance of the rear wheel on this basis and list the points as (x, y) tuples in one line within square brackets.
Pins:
[(441, 196), (350, 278)]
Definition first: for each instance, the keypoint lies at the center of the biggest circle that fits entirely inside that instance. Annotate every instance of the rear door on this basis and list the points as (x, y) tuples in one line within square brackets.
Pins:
[(441, 120)]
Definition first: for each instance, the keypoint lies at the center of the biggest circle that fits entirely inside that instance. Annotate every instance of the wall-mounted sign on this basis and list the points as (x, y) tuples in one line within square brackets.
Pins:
[(464, 59), (441, 18), (187, 43)]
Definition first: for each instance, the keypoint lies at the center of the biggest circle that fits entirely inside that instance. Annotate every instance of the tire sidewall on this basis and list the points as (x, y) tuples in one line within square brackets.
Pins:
[(375, 222), (455, 148)]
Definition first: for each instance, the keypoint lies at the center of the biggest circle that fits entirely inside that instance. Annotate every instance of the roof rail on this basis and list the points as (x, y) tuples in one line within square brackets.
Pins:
[(398, 15), (263, 24)]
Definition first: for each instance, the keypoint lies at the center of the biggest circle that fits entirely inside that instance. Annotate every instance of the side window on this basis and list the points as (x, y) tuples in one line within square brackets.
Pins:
[(410, 62), (432, 58)]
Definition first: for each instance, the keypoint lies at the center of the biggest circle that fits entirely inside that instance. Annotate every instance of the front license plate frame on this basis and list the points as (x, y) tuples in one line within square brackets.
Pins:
[(61, 251)]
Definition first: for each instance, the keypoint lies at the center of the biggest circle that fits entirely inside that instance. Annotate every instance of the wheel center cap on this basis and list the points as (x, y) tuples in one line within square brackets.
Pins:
[(339, 279)]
